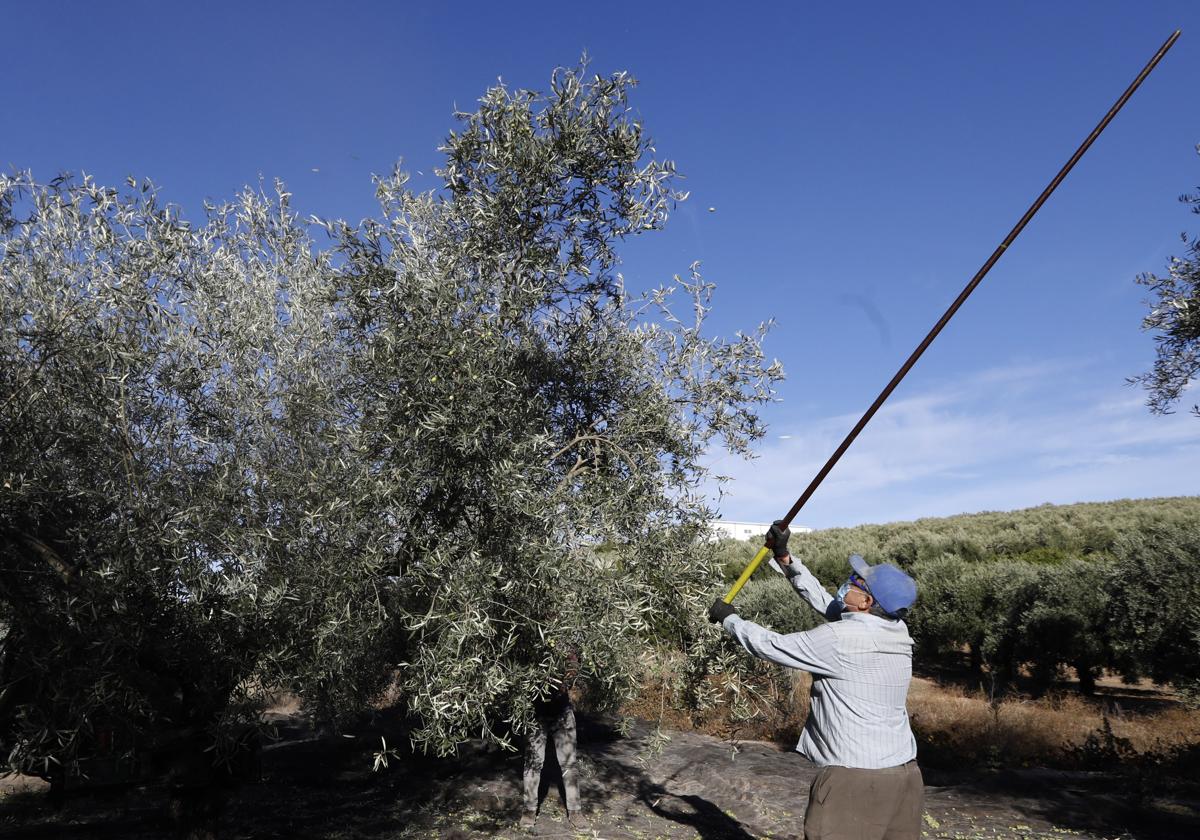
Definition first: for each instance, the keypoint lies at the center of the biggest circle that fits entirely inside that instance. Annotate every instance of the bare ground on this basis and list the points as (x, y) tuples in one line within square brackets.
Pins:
[(691, 786)]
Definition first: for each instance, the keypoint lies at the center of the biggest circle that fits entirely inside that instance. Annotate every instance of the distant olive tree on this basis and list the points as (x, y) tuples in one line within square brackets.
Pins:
[(1175, 316), (1067, 625), (1153, 615), (938, 627)]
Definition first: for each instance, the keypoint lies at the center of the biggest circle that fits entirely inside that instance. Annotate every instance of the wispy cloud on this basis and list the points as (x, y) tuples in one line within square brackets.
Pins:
[(1006, 438)]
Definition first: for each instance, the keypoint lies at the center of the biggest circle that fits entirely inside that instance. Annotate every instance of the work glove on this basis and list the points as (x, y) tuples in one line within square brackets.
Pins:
[(777, 539), (719, 611)]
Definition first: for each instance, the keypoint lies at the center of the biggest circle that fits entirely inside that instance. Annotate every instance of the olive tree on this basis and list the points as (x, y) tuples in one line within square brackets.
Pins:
[(433, 451), (1066, 626), (1175, 316), (1152, 615), (162, 393), (521, 409)]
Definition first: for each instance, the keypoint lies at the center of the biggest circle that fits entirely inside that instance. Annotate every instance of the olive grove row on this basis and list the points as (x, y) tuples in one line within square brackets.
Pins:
[(1044, 592)]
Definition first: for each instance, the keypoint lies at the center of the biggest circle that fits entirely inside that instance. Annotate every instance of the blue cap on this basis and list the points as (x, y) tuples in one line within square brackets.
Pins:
[(891, 588)]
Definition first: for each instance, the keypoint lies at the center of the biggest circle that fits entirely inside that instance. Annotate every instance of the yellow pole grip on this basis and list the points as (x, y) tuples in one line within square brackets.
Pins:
[(751, 569)]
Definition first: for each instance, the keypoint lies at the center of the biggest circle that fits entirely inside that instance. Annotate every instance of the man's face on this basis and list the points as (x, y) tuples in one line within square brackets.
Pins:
[(856, 595)]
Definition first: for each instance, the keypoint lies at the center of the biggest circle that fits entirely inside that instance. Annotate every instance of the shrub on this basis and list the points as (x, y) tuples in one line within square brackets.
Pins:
[(1154, 612)]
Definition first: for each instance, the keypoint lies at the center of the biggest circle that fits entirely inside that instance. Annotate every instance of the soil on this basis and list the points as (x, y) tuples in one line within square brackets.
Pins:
[(634, 785)]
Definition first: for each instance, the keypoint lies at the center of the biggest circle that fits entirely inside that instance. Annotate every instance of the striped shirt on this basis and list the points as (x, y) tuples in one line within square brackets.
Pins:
[(861, 667)]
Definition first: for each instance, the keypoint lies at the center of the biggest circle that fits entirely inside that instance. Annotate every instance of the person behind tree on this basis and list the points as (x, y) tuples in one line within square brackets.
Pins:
[(555, 723), (869, 786)]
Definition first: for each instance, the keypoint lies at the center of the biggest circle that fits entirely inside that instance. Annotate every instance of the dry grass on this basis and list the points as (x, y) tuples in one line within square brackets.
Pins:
[(958, 727), (1063, 730)]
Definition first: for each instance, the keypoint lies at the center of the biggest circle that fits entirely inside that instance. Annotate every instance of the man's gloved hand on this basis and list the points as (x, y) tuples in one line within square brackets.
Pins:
[(719, 611), (777, 538)]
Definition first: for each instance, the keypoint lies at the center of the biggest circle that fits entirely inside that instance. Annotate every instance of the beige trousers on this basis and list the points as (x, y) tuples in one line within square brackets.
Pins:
[(845, 803)]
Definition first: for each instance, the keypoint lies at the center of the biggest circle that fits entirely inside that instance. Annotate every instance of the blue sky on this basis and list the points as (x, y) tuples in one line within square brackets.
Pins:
[(863, 160)]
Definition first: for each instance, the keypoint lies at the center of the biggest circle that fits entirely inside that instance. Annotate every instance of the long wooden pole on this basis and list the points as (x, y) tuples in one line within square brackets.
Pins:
[(954, 307)]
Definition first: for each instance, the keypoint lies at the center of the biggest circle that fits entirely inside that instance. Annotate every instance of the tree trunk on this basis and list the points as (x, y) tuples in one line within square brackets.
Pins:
[(976, 655), (1087, 679)]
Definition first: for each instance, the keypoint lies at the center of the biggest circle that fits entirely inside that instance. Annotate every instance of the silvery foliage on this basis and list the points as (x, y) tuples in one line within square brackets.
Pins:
[(440, 453), (164, 410), (1175, 315), (536, 433)]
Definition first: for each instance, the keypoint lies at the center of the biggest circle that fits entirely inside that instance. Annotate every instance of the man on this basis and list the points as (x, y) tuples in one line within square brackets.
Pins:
[(555, 724), (869, 786)]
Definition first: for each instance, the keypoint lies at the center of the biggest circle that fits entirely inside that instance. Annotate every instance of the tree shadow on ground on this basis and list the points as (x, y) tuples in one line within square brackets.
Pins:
[(1093, 801), (616, 775), (325, 788), (699, 814), (311, 787)]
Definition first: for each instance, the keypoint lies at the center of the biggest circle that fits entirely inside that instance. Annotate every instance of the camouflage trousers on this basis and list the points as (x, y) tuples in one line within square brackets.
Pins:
[(560, 729)]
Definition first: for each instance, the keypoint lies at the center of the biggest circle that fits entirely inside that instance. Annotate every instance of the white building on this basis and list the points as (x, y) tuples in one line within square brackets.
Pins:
[(728, 529)]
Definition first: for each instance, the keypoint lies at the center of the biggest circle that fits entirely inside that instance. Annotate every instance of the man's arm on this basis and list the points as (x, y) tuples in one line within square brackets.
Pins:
[(813, 650), (808, 587), (803, 581)]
